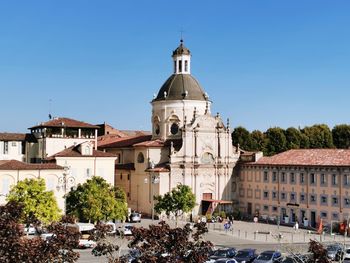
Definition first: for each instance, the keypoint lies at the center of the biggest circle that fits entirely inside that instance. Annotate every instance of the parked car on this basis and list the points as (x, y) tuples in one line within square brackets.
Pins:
[(269, 256), (347, 253), (335, 252), (30, 230), (135, 217), (125, 230), (246, 255), (223, 253), (226, 260)]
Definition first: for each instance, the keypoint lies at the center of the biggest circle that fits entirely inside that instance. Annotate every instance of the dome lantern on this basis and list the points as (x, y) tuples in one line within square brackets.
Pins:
[(182, 59)]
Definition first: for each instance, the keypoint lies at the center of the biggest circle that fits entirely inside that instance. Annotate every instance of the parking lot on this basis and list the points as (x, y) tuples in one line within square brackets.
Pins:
[(247, 235)]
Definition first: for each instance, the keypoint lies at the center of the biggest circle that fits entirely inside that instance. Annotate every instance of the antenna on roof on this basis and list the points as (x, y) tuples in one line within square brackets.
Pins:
[(50, 102), (181, 34)]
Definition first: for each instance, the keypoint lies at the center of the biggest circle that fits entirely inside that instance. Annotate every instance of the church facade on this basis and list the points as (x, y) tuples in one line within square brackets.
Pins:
[(188, 146)]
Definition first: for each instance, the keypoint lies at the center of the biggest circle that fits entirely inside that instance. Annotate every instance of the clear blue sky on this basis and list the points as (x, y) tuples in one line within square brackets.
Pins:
[(263, 63)]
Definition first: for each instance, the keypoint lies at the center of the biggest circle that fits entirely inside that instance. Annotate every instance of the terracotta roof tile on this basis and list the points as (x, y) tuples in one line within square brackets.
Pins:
[(65, 122), (127, 142), (154, 143), (17, 165), (73, 151), (308, 157), (8, 136)]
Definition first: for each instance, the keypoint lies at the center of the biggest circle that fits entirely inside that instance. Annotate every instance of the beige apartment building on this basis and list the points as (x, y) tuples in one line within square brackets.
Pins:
[(297, 185)]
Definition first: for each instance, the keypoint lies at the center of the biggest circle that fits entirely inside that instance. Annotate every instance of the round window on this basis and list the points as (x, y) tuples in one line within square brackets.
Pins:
[(174, 129), (157, 129)]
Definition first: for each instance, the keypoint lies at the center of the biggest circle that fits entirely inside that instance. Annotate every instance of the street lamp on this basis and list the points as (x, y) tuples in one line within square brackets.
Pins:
[(154, 179), (64, 183)]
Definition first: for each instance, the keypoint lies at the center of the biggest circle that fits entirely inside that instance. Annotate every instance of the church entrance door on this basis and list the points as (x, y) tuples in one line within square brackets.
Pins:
[(207, 205)]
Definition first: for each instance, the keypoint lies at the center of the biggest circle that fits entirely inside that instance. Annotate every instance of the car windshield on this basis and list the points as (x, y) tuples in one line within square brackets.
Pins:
[(220, 253), (265, 256), (332, 248), (242, 254), (348, 250)]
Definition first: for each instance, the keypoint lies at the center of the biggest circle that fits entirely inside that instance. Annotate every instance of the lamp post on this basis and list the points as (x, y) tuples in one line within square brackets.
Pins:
[(154, 179), (64, 183)]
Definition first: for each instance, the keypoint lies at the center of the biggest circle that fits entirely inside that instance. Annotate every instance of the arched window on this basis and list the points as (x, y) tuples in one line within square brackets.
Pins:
[(174, 129), (140, 158), (207, 158)]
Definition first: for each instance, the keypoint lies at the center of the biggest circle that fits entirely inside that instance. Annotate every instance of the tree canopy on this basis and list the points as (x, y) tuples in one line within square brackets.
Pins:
[(180, 200), (37, 202), (97, 200), (15, 248), (275, 140)]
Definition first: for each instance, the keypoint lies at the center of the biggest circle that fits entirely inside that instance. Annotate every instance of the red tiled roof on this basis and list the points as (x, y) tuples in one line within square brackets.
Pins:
[(308, 157), (125, 166), (127, 142), (17, 165), (65, 122), (108, 139), (8, 136), (73, 151), (155, 143)]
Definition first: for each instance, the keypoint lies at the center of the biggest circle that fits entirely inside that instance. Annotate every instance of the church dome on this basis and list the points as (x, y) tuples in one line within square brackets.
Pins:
[(181, 87), (181, 50)]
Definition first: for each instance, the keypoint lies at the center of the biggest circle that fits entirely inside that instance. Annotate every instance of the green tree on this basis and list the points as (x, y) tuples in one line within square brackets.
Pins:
[(241, 136), (257, 141), (341, 136), (37, 202), (276, 141), (293, 137), (180, 200), (97, 200), (320, 136)]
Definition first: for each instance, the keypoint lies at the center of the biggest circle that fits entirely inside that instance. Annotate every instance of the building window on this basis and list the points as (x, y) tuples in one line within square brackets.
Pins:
[(302, 178), (186, 65), (274, 195), (266, 194), (6, 148), (302, 197), (88, 172), (334, 200), (324, 200), (283, 177), (323, 179), (266, 176), (128, 194), (274, 177), (14, 144), (274, 208), (346, 179), (323, 214), (174, 129), (157, 129), (313, 198), (346, 201), (335, 216), (140, 158), (312, 178), (175, 66), (128, 177), (121, 176), (266, 208), (283, 196), (292, 178), (292, 197), (334, 179), (180, 66)]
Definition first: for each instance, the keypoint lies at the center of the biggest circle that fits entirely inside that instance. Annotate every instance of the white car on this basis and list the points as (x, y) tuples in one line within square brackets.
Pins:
[(31, 230), (135, 217), (347, 253), (126, 230), (85, 243)]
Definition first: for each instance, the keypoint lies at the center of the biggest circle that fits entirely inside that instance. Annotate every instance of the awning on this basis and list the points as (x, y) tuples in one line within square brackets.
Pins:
[(218, 201)]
